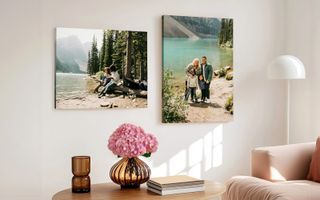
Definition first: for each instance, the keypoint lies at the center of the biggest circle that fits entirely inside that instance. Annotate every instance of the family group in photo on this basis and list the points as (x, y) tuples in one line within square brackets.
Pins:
[(198, 75), (111, 79)]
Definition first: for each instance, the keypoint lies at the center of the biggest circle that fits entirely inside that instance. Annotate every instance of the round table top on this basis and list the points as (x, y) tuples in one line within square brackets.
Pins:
[(111, 191)]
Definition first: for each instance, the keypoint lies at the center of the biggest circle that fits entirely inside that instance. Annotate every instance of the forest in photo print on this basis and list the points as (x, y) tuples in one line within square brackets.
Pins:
[(100, 69), (197, 69)]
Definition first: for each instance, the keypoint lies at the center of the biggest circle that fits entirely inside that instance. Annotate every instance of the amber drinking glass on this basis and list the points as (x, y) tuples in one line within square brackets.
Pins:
[(130, 172), (81, 170)]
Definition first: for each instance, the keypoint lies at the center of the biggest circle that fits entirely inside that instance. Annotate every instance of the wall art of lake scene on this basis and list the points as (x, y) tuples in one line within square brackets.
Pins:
[(197, 61), (100, 69)]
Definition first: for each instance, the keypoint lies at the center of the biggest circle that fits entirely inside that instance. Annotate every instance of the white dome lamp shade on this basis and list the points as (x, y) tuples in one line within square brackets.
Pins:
[(286, 67)]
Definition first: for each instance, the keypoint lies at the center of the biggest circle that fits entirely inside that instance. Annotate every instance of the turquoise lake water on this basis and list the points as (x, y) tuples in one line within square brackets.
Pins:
[(179, 52), (71, 85)]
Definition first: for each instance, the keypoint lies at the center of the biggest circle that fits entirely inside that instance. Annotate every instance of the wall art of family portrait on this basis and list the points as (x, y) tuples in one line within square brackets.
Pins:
[(197, 69)]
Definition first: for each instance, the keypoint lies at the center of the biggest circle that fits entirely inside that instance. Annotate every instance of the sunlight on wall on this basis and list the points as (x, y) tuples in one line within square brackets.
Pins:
[(195, 171), (201, 156), (178, 163), (217, 146), (195, 152), (208, 151), (213, 148), (161, 170)]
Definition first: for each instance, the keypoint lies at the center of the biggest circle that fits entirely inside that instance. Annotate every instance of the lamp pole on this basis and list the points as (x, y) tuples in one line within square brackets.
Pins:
[(288, 112)]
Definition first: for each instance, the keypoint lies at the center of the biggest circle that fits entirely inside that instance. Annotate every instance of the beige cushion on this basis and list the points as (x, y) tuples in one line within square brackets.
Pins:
[(280, 163), (251, 188)]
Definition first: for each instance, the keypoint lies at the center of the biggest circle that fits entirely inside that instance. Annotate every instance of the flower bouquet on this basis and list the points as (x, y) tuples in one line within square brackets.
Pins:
[(130, 141)]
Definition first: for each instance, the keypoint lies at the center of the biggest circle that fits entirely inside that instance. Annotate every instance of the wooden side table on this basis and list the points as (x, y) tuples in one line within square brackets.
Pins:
[(111, 191)]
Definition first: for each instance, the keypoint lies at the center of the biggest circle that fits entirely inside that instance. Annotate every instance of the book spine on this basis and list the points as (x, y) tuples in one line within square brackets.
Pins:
[(174, 187), (178, 191)]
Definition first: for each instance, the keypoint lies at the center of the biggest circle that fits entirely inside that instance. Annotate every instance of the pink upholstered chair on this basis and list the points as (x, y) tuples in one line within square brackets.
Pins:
[(278, 173)]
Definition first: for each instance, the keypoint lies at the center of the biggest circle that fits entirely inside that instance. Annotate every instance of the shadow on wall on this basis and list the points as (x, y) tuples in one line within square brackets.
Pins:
[(199, 157)]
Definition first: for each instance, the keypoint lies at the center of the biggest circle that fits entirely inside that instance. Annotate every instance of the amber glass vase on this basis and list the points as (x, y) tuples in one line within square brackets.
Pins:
[(81, 170), (130, 172)]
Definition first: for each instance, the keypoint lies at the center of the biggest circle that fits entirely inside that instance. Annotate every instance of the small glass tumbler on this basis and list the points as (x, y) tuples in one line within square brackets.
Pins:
[(81, 170)]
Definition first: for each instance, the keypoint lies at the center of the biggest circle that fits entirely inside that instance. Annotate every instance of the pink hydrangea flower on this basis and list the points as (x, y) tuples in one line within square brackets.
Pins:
[(130, 141), (151, 143)]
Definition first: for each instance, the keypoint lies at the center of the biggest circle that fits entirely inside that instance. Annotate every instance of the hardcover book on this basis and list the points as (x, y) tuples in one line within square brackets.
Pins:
[(175, 181), (176, 191)]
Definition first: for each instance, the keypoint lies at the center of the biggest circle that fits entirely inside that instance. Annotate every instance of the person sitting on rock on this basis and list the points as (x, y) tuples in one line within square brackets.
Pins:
[(114, 80), (105, 79)]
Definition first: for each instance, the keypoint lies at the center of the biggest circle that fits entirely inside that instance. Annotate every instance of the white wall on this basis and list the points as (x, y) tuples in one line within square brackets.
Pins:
[(37, 141), (303, 41)]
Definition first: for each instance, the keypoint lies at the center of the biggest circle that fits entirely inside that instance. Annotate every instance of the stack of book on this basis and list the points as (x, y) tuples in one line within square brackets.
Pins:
[(175, 185)]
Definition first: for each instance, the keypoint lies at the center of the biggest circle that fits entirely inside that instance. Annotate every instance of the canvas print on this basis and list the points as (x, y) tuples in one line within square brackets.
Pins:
[(100, 69), (197, 69)]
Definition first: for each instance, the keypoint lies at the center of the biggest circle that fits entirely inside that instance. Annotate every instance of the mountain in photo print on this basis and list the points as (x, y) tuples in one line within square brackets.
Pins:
[(197, 69), (100, 69)]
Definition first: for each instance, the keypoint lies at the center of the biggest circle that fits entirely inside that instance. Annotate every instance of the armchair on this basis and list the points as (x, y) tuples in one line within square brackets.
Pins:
[(278, 173)]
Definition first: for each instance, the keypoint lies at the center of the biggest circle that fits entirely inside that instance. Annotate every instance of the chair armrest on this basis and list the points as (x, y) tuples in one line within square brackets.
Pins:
[(281, 163)]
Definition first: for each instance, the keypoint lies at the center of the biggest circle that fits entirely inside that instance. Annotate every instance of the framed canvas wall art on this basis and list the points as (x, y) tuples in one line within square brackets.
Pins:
[(197, 69), (100, 69)]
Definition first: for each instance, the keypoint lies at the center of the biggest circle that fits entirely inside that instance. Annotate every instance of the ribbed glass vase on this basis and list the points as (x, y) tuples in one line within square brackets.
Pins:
[(130, 172)]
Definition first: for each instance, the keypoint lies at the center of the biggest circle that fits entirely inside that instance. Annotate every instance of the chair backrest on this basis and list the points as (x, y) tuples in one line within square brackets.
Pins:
[(282, 163)]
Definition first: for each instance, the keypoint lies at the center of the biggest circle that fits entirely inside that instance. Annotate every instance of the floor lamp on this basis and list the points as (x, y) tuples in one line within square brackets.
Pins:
[(286, 67)]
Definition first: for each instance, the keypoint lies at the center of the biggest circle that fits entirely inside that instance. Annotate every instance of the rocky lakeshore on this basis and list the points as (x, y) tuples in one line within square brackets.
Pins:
[(220, 90), (91, 101)]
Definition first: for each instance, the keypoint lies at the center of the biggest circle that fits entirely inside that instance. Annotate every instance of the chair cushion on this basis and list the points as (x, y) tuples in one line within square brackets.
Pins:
[(251, 188), (314, 170)]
